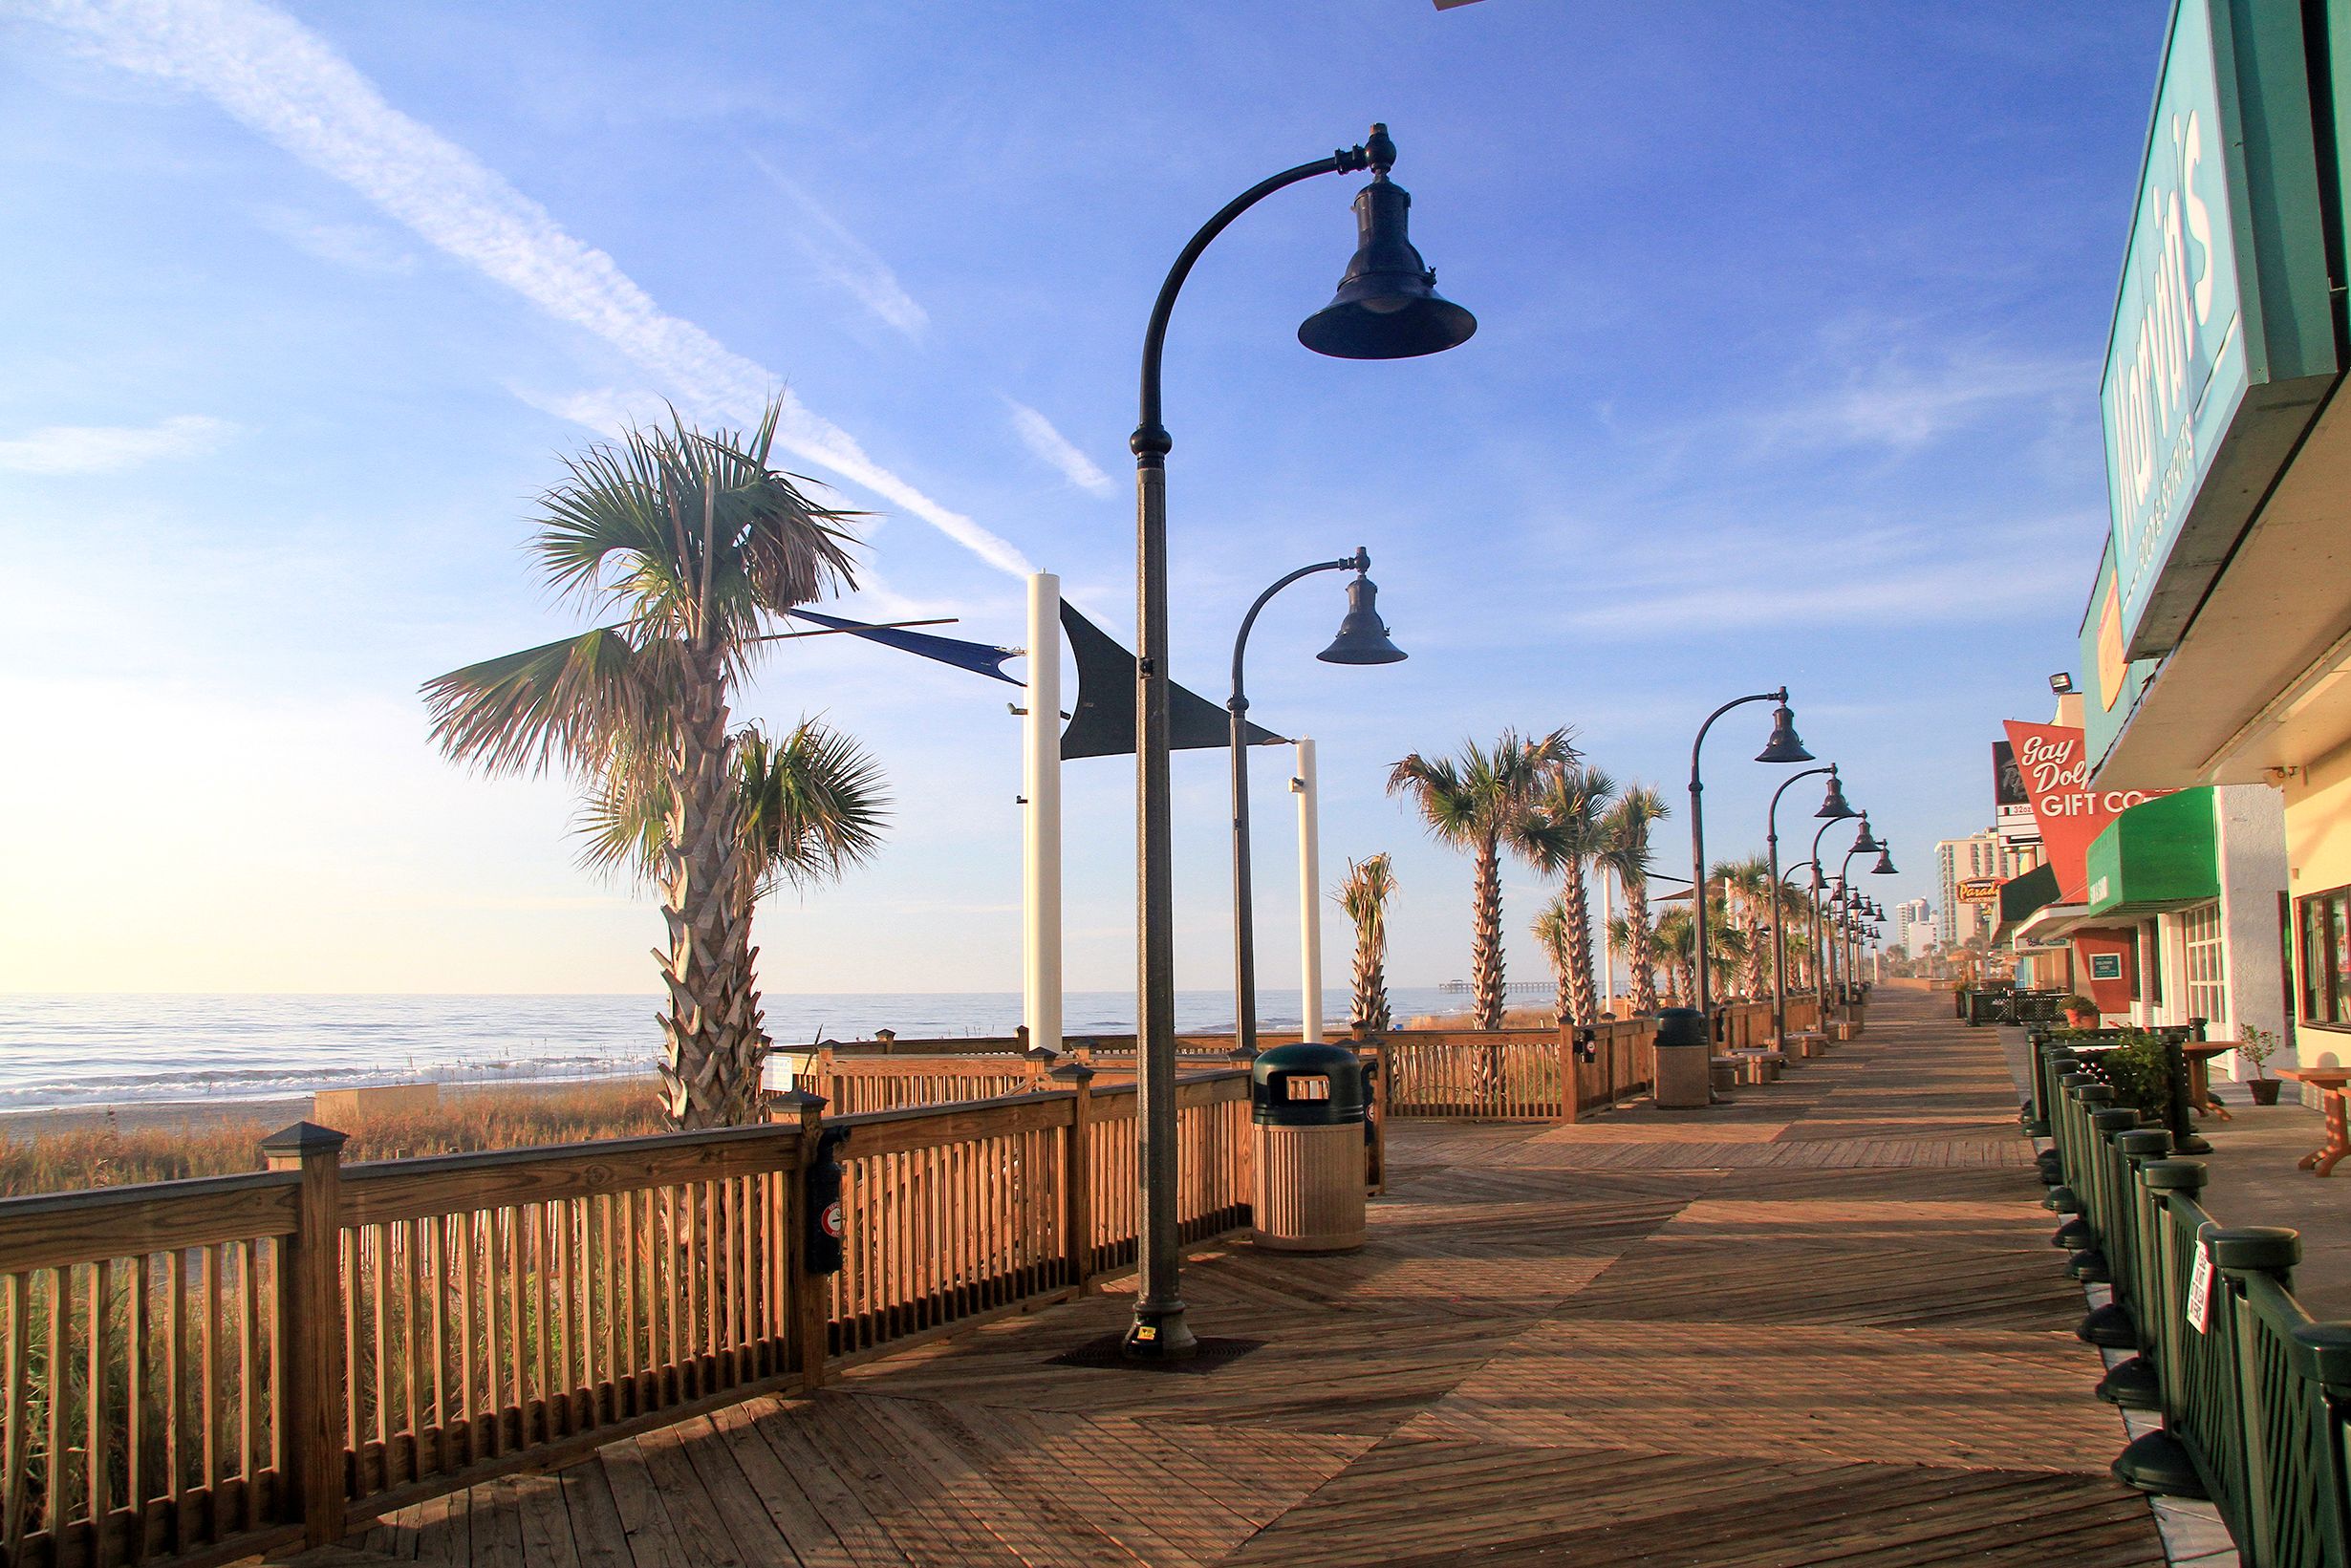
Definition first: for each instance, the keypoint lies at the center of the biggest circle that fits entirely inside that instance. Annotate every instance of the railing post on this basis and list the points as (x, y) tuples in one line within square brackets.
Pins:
[(309, 1319), (2325, 1360), (2158, 1462), (1077, 1214), (1564, 1048), (806, 1287), (2238, 1254)]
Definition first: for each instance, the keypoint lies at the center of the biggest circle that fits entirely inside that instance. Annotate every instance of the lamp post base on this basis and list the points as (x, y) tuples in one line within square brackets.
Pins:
[(1160, 1333)]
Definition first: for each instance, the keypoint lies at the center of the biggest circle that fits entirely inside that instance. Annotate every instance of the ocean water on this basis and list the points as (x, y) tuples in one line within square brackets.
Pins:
[(61, 1051)]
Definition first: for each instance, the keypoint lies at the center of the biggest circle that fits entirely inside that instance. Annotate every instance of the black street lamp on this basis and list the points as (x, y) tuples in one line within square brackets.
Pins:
[(1387, 308), (1833, 809), (1866, 844), (1782, 747), (1361, 640)]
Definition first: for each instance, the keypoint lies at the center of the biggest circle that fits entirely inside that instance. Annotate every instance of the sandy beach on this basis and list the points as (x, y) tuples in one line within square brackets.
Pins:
[(267, 1116)]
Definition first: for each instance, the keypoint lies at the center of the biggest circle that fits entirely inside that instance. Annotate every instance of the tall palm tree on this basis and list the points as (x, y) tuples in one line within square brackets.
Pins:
[(1636, 811), (1483, 801), (1365, 894), (692, 543), (1572, 832)]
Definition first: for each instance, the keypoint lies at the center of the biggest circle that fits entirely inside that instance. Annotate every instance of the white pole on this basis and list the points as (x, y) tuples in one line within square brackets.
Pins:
[(1608, 944), (1041, 981), (1309, 894)]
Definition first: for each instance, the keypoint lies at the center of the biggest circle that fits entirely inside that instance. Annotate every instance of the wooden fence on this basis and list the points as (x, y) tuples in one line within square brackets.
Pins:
[(206, 1369)]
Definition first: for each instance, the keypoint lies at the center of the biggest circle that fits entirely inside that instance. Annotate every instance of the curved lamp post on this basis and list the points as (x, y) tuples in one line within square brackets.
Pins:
[(1833, 809), (1865, 843), (1782, 747), (1387, 308), (1361, 640)]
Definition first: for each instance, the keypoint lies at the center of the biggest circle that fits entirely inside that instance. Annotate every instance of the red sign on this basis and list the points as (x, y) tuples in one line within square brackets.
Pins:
[(2057, 779)]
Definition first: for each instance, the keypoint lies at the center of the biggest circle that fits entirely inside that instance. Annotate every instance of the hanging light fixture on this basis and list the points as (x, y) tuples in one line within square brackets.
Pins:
[(1835, 806), (1387, 307), (1784, 746), (1363, 636)]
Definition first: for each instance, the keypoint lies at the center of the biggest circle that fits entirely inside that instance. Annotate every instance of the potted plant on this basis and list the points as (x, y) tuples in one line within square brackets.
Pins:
[(2257, 1046), (2080, 1011)]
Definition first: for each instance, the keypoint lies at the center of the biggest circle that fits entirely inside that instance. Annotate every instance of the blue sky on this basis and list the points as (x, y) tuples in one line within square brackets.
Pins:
[(1791, 319)]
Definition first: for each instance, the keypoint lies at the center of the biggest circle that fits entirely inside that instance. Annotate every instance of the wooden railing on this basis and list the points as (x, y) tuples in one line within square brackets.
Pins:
[(1515, 1074), (202, 1370)]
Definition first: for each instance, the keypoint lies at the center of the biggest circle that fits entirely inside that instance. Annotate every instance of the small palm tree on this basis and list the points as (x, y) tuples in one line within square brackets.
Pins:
[(695, 544), (1676, 951), (1571, 834), (1555, 934), (1483, 801), (1370, 885), (806, 809), (1746, 895), (1636, 811)]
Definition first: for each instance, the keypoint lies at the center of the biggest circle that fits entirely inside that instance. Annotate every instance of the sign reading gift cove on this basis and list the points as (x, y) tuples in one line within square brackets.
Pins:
[(2223, 339), (2070, 812)]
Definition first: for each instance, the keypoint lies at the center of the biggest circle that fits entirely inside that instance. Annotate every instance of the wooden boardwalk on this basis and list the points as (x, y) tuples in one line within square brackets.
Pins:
[(1820, 1325)]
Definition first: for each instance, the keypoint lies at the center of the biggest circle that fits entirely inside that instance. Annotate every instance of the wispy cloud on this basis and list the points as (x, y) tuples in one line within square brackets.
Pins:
[(286, 83), (96, 449), (1055, 448), (362, 247), (848, 262), (1886, 396)]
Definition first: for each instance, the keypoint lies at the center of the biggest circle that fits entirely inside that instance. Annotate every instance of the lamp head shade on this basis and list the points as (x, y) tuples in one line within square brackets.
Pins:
[(1387, 307), (1362, 638), (1886, 862), (1835, 806), (1868, 843), (1784, 746)]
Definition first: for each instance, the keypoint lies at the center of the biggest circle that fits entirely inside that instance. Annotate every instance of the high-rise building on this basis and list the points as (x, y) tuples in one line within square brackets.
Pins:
[(1960, 860)]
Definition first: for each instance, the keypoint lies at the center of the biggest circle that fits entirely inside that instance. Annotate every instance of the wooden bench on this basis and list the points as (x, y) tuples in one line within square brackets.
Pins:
[(1758, 1065), (1805, 1043)]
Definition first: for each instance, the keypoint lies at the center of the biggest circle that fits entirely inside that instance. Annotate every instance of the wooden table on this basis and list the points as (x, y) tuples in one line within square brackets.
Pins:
[(2329, 1081), (2199, 1055)]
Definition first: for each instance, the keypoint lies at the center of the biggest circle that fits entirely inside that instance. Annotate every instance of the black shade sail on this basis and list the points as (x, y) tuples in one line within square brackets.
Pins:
[(1103, 723), (978, 658)]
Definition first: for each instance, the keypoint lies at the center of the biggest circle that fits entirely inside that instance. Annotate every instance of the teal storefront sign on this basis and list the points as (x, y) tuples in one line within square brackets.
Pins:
[(2223, 335)]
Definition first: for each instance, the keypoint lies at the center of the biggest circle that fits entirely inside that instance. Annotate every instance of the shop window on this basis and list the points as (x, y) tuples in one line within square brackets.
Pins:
[(2326, 957), (2207, 967)]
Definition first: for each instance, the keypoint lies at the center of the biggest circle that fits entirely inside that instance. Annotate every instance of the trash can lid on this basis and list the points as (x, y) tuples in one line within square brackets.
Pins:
[(1270, 1077)]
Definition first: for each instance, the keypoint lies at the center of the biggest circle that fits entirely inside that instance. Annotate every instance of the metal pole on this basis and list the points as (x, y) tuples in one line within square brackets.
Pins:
[(1159, 1331), (1780, 945), (1244, 905), (1698, 855), (1309, 906), (1041, 859)]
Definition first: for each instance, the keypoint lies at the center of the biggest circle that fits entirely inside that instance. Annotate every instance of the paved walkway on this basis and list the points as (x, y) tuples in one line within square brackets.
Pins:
[(1822, 1324)]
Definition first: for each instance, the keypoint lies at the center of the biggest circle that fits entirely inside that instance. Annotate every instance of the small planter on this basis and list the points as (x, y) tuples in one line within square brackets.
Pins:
[(2264, 1090)]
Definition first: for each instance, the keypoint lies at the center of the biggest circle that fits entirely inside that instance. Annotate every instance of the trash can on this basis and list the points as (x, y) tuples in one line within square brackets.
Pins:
[(1683, 1065), (1307, 1104)]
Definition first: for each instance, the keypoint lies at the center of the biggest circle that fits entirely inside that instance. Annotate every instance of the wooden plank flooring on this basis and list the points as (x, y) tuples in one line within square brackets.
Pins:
[(1820, 1325)]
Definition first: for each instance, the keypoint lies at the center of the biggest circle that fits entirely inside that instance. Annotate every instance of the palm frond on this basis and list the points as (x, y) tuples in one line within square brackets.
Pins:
[(573, 702), (813, 804)]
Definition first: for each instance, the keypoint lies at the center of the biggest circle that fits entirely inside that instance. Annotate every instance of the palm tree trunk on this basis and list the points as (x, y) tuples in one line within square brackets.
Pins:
[(710, 1076), (1486, 981), (1372, 975), (1644, 959), (1583, 995)]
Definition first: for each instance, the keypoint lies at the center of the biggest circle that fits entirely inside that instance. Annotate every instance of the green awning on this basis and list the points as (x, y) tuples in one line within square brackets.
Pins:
[(2158, 855), (2021, 895)]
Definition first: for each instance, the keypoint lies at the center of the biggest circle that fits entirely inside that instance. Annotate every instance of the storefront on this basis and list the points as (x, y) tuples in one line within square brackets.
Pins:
[(2217, 637)]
